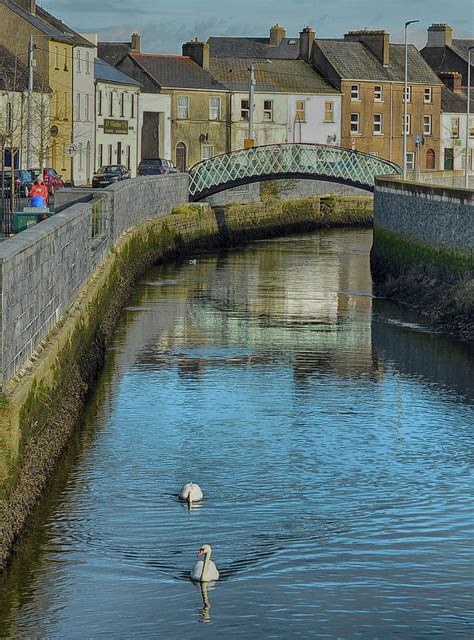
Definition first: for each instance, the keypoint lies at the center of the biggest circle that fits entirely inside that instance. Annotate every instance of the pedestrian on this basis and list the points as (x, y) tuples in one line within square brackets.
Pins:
[(39, 193)]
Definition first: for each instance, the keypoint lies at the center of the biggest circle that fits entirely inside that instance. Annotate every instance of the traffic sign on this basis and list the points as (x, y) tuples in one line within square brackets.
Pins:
[(71, 150)]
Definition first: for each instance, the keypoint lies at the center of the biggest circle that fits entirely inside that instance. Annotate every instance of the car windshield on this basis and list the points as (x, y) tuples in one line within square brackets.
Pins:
[(110, 168), (150, 162), (35, 172)]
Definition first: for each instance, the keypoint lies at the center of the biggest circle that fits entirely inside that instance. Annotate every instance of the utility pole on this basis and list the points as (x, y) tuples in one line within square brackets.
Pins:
[(29, 159), (251, 70), (468, 113)]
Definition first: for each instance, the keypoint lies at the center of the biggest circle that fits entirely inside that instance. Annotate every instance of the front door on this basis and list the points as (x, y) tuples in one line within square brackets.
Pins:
[(430, 159), (181, 159)]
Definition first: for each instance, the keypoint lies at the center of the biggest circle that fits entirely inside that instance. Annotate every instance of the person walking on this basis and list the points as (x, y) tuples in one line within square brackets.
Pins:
[(39, 193)]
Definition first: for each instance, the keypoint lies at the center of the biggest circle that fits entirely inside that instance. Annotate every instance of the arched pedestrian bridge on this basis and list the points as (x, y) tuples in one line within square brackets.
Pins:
[(279, 161)]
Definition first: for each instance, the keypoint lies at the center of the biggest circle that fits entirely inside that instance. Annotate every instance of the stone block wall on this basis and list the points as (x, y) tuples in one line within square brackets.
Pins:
[(436, 216), (43, 269)]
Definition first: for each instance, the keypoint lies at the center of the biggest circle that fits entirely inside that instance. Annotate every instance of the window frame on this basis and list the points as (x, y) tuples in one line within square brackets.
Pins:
[(111, 106), (215, 110), (407, 124), (78, 61), (427, 124), (207, 146), (179, 107), (329, 119), (245, 110), (455, 127), (378, 124), (268, 111), (430, 94), (122, 105), (299, 110), (99, 102), (355, 92), (408, 95), (78, 106), (356, 122), (410, 163), (378, 93)]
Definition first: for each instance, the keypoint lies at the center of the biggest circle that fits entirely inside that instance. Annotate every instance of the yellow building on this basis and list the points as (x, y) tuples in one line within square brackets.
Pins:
[(60, 81)]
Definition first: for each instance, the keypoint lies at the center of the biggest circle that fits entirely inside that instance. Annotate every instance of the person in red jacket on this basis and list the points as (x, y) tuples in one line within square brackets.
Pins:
[(39, 189)]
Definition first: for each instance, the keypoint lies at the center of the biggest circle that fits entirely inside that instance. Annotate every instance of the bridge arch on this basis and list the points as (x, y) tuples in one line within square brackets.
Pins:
[(280, 161)]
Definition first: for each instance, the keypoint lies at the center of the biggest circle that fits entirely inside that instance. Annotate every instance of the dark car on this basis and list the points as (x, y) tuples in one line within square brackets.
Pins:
[(51, 178), (23, 182), (155, 167), (109, 174)]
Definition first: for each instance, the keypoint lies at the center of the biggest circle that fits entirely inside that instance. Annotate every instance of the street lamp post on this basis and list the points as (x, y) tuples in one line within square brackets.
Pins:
[(466, 163), (251, 99), (405, 101)]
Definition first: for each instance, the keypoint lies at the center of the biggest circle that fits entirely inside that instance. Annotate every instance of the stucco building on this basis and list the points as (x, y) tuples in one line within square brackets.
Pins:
[(453, 124), (117, 117)]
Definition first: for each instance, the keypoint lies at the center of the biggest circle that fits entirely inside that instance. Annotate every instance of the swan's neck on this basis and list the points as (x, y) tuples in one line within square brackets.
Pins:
[(207, 559), (190, 498)]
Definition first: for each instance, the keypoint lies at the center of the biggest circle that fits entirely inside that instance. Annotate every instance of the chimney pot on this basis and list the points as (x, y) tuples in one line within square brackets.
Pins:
[(277, 34), (136, 43), (197, 51)]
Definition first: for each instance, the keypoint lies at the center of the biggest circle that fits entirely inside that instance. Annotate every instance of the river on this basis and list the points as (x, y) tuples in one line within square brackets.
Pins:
[(330, 431)]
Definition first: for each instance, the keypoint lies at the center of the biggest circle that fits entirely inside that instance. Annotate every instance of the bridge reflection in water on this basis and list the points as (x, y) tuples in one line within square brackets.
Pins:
[(271, 162)]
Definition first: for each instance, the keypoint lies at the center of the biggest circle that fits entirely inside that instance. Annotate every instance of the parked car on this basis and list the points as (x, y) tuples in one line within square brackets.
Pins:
[(109, 174), (51, 177), (155, 167), (23, 182)]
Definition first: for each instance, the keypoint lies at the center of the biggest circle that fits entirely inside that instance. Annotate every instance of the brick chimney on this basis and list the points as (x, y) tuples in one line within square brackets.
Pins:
[(197, 51), (306, 44), (277, 34), (439, 35), (377, 41), (452, 79), (136, 43), (29, 5)]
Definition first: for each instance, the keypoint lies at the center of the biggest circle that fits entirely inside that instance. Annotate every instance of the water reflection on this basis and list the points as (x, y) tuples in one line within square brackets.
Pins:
[(331, 432)]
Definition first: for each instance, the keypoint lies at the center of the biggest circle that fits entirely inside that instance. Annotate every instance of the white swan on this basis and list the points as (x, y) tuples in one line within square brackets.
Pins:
[(205, 571), (191, 492)]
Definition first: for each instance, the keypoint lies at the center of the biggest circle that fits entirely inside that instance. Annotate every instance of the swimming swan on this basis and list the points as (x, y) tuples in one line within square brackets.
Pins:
[(191, 492), (205, 571)]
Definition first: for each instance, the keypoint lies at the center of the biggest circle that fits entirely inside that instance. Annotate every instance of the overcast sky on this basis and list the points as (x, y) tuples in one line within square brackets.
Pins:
[(166, 24)]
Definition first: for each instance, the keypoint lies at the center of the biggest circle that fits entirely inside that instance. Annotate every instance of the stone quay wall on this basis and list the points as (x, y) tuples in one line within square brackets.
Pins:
[(423, 251), (43, 268)]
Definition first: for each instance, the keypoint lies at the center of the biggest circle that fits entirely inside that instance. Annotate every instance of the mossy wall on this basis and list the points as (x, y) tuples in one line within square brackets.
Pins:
[(39, 412)]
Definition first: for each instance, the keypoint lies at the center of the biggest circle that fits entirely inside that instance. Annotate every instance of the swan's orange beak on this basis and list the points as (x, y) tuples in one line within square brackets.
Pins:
[(200, 553)]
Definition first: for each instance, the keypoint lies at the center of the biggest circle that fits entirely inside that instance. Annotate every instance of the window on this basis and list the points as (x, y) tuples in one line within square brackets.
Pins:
[(207, 151), (111, 103), (132, 106), (329, 111), (78, 106), (471, 127), (426, 125), (410, 160), (80, 157), (110, 154), (9, 119), (65, 59), (407, 97), (300, 111), (407, 128), (56, 57), (428, 95), (88, 62), (268, 109), (378, 93), (87, 115), (355, 92), (378, 124), (355, 122), (122, 105), (100, 155), (128, 157), (119, 153), (214, 108), (455, 127), (244, 110), (78, 61), (99, 103), (66, 105), (183, 107)]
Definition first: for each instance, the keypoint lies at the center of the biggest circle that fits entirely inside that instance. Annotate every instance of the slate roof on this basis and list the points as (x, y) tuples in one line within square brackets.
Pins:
[(105, 72), (449, 57), (461, 46), (288, 49), (279, 76), (113, 52), (48, 24), (354, 61), (455, 102), (14, 74), (176, 72)]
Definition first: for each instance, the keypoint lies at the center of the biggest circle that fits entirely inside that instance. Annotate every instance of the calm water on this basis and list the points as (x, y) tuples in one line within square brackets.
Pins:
[(331, 432)]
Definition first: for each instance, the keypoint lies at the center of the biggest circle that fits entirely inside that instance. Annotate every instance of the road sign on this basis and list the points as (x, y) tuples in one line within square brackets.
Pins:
[(71, 150)]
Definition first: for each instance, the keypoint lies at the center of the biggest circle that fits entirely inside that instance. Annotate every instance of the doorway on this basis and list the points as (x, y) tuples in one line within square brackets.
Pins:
[(181, 153), (430, 159)]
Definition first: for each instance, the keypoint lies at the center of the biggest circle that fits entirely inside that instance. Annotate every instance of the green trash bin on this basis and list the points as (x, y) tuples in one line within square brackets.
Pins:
[(21, 220)]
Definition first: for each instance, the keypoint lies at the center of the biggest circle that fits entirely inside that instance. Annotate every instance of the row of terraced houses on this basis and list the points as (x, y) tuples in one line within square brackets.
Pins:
[(97, 103)]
